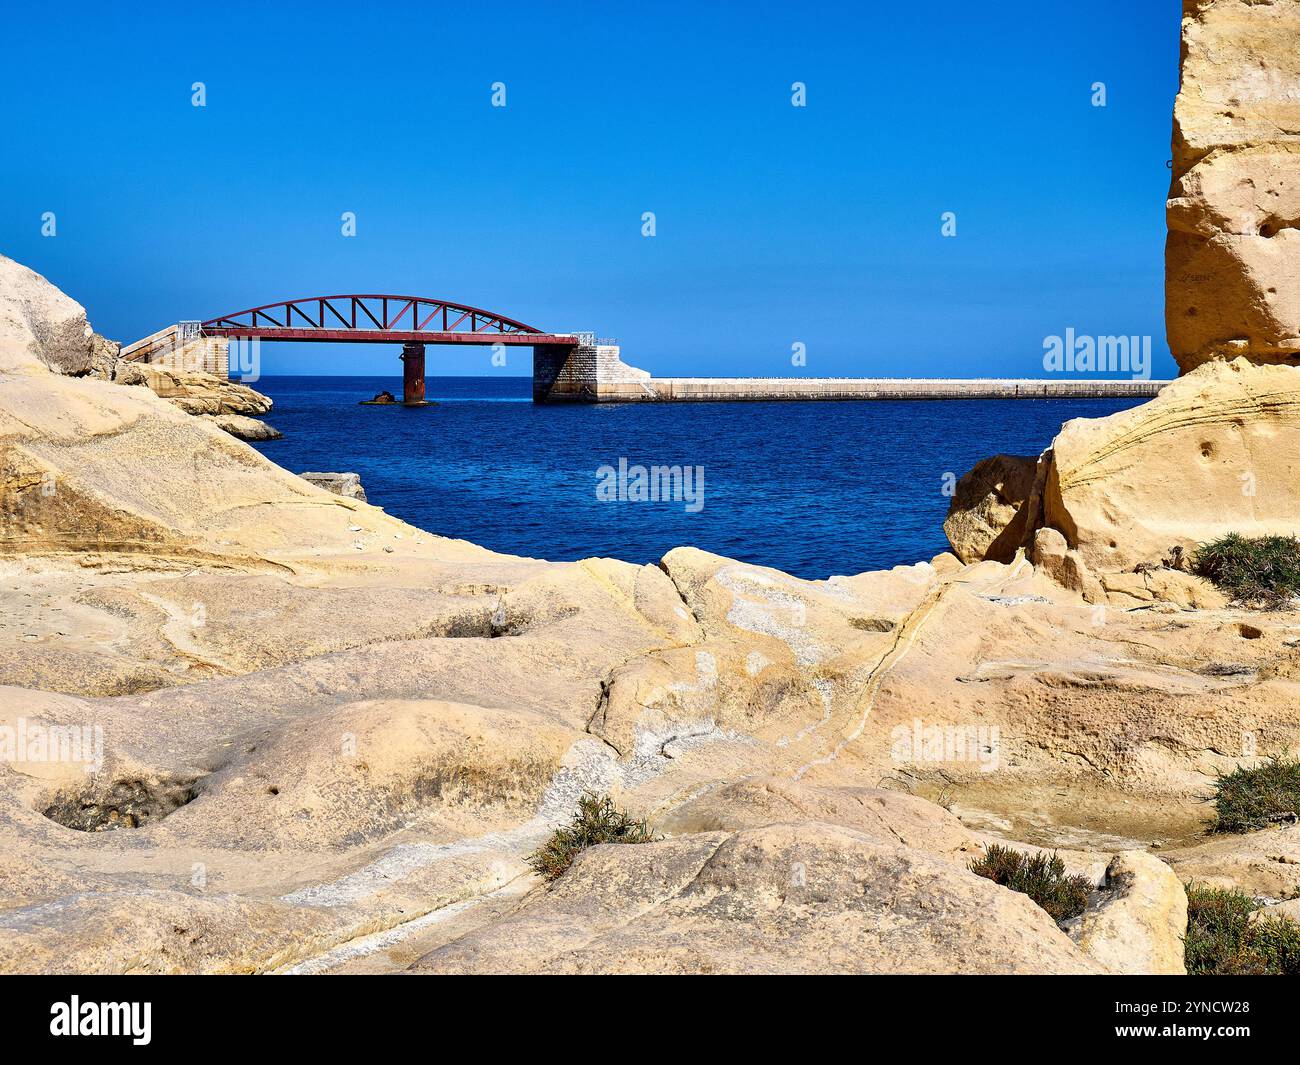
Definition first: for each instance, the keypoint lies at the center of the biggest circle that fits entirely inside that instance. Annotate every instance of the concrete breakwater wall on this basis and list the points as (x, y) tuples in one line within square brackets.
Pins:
[(596, 373), (757, 389)]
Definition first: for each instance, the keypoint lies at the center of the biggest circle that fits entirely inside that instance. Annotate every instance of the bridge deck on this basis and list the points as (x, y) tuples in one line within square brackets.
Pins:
[(389, 336)]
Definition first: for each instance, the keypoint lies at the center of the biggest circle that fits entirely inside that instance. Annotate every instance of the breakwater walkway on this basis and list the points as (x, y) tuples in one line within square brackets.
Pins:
[(594, 372), (730, 389)]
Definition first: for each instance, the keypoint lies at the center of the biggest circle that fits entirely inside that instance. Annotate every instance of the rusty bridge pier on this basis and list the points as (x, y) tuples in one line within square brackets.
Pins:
[(413, 374)]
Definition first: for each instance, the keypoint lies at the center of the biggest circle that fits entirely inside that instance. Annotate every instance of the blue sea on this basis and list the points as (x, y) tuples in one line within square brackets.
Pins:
[(810, 488)]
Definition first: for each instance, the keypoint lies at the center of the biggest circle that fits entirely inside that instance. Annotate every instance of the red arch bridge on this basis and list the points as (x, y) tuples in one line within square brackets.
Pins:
[(411, 321)]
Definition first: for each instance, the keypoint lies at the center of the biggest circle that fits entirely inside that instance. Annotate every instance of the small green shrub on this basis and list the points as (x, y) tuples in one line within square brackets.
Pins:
[(1222, 940), (1259, 571), (1039, 876), (598, 820), (1249, 799)]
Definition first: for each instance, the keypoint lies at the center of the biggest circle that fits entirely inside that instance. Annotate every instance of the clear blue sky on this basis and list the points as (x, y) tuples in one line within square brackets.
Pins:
[(775, 224)]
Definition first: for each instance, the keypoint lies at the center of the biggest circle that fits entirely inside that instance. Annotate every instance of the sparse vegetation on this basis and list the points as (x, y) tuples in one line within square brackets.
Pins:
[(597, 821), (1223, 940), (1250, 799), (1039, 876), (1261, 571)]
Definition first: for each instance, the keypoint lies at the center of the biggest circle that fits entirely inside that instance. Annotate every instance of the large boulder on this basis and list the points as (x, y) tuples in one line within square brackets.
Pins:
[(41, 329), (987, 515), (1232, 281), (1217, 451), (1138, 922)]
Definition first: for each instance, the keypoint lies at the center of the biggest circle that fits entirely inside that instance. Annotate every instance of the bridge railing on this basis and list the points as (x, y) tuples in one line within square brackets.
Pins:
[(145, 345)]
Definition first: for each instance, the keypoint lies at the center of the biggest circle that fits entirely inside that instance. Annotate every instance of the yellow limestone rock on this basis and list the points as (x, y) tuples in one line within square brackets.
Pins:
[(1233, 253), (987, 515), (319, 726), (1217, 451), (1055, 559), (1138, 927), (805, 897), (41, 328), (195, 392)]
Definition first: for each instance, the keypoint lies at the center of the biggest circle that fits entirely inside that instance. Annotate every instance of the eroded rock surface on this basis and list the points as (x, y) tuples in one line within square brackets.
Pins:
[(1217, 451), (1232, 279), (1138, 925), (988, 515), (347, 485), (243, 428), (194, 391), (785, 898), (320, 739)]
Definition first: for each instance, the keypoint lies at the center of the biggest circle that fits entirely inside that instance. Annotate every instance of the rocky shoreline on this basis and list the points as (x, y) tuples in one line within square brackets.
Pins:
[(251, 723), (331, 740), (228, 405)]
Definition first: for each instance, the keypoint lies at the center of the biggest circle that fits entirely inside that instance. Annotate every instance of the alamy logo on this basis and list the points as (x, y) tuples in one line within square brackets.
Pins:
[(244, 358), (1074, 353), (32, 741), (920, 743), (75, 1017), (653, 484)]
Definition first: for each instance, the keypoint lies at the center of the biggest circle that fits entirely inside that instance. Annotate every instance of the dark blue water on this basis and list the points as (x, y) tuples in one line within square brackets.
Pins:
[(809, 488)]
